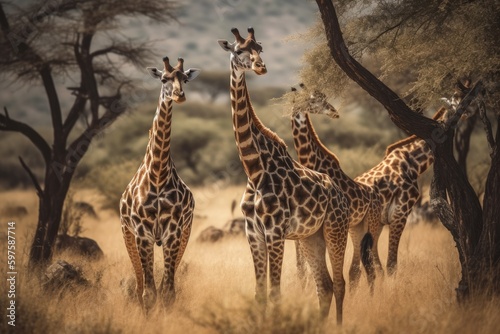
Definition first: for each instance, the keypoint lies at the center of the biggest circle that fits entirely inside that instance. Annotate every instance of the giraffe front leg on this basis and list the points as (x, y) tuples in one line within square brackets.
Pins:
[(146, 253), (356, 232), (275, 249), (131, 246), (173, 250), (170, 246), (259, 256), (395, 231), (313, 249), (336, 240)]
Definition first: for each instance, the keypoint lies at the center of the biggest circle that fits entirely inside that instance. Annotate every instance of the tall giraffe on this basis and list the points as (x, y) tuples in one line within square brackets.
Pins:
[(283, 199), (157, 207), (365, 202), (395, 179)]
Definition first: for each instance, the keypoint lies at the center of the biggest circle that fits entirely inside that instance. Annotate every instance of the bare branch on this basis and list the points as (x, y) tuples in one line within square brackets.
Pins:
[(400, 113), (39, 190), (8, 124), (487, 127)]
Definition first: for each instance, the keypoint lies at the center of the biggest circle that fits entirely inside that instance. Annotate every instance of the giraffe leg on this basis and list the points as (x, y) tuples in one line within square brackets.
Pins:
[(259, 256), (170, 246), (173, 251), (373, 217), (375, 228), (356, 232), (131, 246), (313, 249), (395, 231), (186, 232), (336, 240), (301, 265), (275, 249), (146, 253)]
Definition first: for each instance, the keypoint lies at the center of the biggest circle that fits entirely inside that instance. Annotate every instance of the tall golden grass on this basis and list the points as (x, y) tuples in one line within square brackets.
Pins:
[(215, 285)]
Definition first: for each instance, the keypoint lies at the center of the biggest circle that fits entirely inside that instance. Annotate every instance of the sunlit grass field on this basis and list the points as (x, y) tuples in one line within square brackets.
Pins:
[(215, 284)]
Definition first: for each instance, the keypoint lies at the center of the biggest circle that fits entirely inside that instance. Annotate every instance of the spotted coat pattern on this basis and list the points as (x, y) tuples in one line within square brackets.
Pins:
[(157, 206), (283, 199), (365, 205), (395, 179)]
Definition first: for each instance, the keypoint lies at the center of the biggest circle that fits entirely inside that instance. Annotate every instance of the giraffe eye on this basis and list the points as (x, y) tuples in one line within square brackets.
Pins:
[(164, 80), (239, 52)]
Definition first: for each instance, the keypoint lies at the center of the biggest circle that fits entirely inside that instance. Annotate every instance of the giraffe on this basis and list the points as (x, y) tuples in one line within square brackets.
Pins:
[(283, 199), (156, 206), (395, 179), (365, 202)]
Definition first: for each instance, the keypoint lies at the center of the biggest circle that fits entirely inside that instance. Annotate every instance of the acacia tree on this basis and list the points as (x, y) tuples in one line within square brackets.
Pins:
[(76, 40), (420, 48), (475, 229)]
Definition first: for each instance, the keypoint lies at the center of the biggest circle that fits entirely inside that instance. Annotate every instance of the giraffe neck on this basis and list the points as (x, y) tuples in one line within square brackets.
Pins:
[(422, 155), (252, 137), (417, 153), (310, 150), (158, 160)]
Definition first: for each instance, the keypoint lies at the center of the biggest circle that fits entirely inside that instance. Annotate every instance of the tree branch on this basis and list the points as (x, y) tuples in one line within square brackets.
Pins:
[(487, 127), (26, 52), (4, 23), (80, 145), (8, 124), (39, 190), (408, 120), (88, 74), (55, 107)]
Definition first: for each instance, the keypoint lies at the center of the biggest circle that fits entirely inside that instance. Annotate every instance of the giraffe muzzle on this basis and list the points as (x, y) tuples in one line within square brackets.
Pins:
[(259, 68), (178, 96)]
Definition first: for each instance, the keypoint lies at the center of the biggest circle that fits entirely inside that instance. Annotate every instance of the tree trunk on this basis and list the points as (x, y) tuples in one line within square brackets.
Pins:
[(51, 203), (488, 252), (452, 196), (462, 141)]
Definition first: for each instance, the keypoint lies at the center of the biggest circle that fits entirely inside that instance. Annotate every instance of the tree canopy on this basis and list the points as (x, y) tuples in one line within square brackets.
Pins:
[(419, 48)]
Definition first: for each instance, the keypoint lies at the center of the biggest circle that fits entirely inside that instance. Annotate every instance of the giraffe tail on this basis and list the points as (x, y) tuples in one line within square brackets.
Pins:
[(366, 258)]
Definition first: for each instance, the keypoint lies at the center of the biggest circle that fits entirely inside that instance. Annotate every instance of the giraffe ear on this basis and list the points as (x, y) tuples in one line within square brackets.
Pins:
[(225, 45), (154, 72), (192, 73)]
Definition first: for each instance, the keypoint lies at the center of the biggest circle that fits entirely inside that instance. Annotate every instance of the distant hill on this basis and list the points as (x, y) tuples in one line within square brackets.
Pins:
[(194, 37)]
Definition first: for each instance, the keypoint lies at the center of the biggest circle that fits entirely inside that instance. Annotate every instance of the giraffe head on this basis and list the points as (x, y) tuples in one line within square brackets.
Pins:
[(315, 103), (172, 79), (461, 90), (245, 53)]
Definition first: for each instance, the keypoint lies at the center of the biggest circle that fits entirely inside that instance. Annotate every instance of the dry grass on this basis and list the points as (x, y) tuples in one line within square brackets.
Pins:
[(216, 283)]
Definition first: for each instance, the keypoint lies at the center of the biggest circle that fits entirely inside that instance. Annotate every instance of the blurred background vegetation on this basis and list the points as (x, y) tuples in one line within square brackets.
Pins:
[(203, 145)]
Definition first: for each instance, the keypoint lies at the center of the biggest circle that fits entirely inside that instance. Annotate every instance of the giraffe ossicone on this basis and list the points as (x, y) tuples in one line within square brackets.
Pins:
[(283, 199), (157, 206)]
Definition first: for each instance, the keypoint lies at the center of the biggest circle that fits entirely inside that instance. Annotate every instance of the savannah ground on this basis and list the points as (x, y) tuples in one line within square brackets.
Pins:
[(215, 284)]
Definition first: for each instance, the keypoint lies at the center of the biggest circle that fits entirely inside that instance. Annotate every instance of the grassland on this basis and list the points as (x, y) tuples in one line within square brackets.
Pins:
[(215, 284)]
